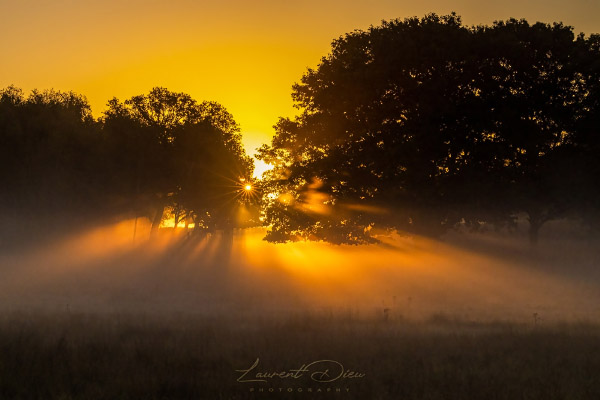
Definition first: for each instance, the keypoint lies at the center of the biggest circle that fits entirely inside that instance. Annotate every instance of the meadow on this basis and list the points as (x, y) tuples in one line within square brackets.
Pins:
[(119, 356), (101, 315)]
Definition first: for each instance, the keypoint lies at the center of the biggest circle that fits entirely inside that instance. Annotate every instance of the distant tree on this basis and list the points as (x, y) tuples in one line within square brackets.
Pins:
[(176, 153), (47, 153), (152, 153), (420, 124)]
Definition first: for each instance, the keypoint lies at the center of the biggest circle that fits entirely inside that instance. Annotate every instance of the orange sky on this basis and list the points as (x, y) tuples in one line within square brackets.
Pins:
[(243, 54)]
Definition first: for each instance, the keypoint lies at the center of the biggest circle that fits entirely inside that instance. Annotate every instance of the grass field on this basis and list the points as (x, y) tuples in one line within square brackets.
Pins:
[(93, 356), (101, 316)]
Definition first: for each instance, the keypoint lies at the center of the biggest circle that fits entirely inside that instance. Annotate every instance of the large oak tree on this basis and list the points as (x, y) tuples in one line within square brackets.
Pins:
[(422, 124)]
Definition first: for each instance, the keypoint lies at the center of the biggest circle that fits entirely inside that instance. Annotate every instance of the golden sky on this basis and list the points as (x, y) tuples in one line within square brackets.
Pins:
[(244, 54)]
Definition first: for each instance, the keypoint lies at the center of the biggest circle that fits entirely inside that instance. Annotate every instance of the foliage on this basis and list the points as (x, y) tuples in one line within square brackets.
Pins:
[(182, 154), (422, 124), (148, 153), (46, 152)]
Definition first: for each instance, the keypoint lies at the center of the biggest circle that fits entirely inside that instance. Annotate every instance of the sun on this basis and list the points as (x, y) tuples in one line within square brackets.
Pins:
[(247, 191)]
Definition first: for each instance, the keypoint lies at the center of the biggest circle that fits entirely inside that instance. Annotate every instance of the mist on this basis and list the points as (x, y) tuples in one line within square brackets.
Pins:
[(473, 277)]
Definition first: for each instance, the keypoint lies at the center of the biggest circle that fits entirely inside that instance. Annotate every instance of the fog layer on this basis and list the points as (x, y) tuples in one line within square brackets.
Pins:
[(473, 277)]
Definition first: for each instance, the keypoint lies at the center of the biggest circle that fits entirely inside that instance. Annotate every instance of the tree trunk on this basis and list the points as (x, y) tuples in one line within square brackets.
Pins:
[(160, 209), (135, 227), (177, 216), (536, 220)]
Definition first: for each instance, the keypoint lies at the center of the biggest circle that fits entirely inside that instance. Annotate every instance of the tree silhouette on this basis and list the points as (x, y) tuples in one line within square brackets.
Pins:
[(181, 154), (532, 90), (47, 154), (422, 124), (586, 138), (151, 153)]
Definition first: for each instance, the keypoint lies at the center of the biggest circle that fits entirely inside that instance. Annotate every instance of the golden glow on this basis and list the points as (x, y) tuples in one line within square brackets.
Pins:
[(415, 277), (245, 55), (169, 222), (432, 276)]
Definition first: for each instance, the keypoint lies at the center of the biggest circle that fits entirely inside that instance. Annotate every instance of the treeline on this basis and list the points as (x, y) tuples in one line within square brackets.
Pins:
[(423, 125), (146, 156), (417, 125)]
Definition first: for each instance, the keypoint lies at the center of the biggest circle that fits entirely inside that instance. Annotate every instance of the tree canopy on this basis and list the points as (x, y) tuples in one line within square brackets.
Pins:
[(422, 124), (180, 154), (146, 156), (417, 125), (45, 152)]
